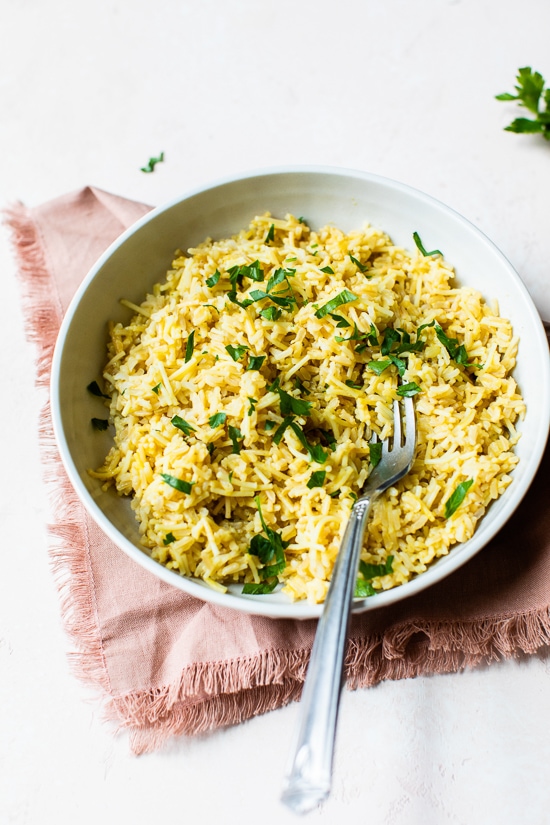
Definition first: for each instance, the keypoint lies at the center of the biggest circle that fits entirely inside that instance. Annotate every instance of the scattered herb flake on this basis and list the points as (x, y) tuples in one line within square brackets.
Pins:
[(213, 280), (236, 437), (269, 425), (255, 362), (182, 425), (177, 483), (328, 270), (189, 347), (420, 247), (342, 323), (271, 313), (168, 539), (344, 297), (152, 163), (217, 420), (317, 479), (289, 404), (251, 405), (260, 589), (408, 390), (156, 388), (457, 497), (375, 453), (271, 234), (362, 267), (236, 353), (335, 494)]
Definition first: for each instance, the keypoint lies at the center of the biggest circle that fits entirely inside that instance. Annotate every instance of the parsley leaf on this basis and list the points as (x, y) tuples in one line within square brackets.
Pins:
[(152, 163), (358, 264), (271, 313), (251, 405), (268, 548), (255, 362), (271, 234), (408, 390), (236, 353), (168, 539), (342, 323), (456, 351), (344, 297), (269, 425), (217, 420), (177, 483), (156, 388), (317, 479), (182, 425), (328, 270), (457, 497), (290, 404), (420, 247), (375, 453), (260, 589), (236, 437), (315, 452), (529, 94), (189, 346), (213, 280)]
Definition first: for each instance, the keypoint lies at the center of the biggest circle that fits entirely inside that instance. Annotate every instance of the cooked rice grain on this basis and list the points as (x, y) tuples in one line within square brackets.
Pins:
[(466, 415)]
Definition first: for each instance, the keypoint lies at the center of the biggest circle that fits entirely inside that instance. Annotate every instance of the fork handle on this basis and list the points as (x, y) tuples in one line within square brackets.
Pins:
[(308, 779)]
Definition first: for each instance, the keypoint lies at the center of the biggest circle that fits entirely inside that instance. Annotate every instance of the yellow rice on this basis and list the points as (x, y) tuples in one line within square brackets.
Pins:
[(466, 414)]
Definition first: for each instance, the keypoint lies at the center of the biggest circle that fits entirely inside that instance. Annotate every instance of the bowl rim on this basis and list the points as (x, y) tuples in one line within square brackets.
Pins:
[(258, 605)]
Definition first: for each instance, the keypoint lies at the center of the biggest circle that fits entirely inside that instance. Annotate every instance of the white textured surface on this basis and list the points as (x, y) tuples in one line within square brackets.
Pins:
[(87, 95)]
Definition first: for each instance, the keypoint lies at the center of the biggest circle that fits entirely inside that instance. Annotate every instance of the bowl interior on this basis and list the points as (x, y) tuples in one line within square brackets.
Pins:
[(347, 199)]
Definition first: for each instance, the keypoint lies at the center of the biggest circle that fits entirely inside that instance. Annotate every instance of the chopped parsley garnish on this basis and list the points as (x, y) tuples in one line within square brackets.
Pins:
[(270, 425), (251, 405), (335, 494), (420, 247), (269, 548), (286, 301), (456, 351), (369, 571), (253, 271), (279, 277), (457, 497), (255, 362), (298, 383), (408, 390), (259, 589), (344, 297), (391, 336), (94, 388), (317, 479), (362, 267), (271, 313), (328, 270), (353, 385), (275, 385), (99, 423), (182, 425), (168, 539), (370, 337), (271, 234), (530, 93), (217, 420), (156, 388), (315, 451), (177, 483), (290, 404), (152, 163), (213, 280), (378, 367), (375, 453), (189, 347), (342, 323), (236, 437), (236, 353)]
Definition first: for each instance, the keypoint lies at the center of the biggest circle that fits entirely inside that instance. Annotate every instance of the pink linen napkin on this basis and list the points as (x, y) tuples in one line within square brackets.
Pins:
[(169, 664)]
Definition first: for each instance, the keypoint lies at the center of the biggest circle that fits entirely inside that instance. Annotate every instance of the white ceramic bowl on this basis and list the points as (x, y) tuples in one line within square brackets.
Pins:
[(140, 258)]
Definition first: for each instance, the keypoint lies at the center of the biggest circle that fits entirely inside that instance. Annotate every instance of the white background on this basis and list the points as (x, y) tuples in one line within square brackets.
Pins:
[(88, 92)]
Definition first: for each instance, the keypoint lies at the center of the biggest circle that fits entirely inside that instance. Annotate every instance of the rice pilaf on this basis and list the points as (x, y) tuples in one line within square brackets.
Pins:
[(246, 388)]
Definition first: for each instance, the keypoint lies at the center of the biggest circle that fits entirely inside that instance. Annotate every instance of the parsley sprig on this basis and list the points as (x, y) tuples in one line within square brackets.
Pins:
[(531, 94), (270, 550)]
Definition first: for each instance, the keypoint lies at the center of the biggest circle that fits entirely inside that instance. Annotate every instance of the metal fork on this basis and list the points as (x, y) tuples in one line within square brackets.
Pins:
[(308, 779)]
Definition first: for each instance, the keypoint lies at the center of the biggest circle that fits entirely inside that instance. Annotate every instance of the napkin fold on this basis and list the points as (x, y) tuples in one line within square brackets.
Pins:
[(167, 663)]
